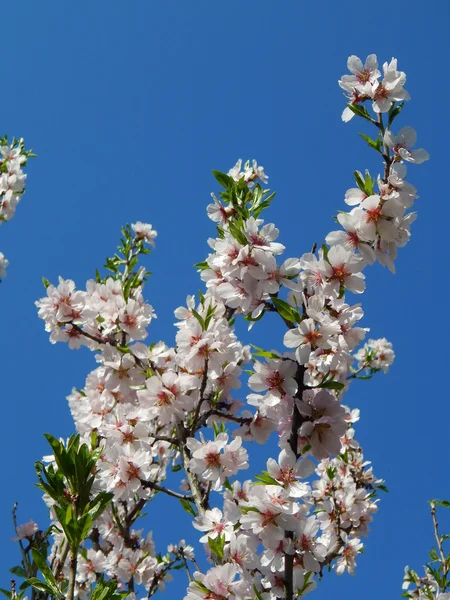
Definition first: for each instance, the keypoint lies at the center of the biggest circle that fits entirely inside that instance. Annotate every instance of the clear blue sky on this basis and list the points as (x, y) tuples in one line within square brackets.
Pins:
[(129, 107)]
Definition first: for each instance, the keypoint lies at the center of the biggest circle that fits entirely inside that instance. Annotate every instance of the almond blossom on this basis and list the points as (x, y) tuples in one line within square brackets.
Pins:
[(176, 420)]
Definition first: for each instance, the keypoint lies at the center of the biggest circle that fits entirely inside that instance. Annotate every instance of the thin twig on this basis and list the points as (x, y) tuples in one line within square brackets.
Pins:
[(159, 488), (438, 539)]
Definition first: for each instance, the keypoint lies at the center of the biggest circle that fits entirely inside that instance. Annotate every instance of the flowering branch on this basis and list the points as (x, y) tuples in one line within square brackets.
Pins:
[(13, 157), (151, 410)]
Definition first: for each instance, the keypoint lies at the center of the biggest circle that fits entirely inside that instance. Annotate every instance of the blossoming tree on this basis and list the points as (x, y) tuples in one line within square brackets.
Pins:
[(151, 413)]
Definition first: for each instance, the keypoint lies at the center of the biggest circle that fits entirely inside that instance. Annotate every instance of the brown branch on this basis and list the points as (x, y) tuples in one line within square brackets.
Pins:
[(163, 438), (227, 416), (157, 577), (159, 488), (132, 516)]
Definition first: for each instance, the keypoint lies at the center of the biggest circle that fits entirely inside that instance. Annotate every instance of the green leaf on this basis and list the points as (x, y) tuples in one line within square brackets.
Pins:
[(237, 233), (199, 318), (50, 581), (266, 479), (433, 554), (375, 144), (258, 595), (360, 111), (225, 180), (263, 353), (359, 181), (331, 385), (368, 184), (248, 317), (201, 266), (188, 507), (286, 311), (19, 571), (217, 545), (209, 315), (107, 590), (43, 587), (227, 485), (394, 112), (444, 503), (63, 459), (46, 282)]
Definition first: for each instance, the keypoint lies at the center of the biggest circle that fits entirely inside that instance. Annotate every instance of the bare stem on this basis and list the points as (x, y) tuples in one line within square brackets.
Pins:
[(202, 397), (26, 562), (60, 561), (438, 540), (194, 483), (72, 575)]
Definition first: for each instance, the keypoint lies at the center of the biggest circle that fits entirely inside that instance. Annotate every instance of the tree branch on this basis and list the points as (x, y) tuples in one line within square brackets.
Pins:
[(159, 488)]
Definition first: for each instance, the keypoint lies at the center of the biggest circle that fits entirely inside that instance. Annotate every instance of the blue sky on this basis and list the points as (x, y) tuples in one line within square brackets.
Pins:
[(129, 108)]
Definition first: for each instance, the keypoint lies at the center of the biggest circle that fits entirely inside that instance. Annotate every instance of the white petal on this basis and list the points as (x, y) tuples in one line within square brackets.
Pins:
[(347, 114), (292, 338), (354, 64)]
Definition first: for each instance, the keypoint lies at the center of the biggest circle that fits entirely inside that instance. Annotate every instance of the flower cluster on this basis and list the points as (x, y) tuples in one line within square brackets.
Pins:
[(364, 84), (375, 355), (13, 157)]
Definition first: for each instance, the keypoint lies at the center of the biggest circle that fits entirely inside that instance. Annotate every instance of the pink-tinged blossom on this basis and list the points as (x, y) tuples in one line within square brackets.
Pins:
[(325, 422), (354, 196), (347, 554), (390, 89), (27, 530), (214, 461), (263, 238), (277, 377), (355, 85), (218, 212), (95, 562), (145, 232), (398, 185), (164, 398), (402, 143), (343, 268), (288, 470), (352, 238), (250, 173), (313, 553), (219, 583), (214, 524), (134, 318), (307, 337), (376, 354), (312, 275)]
